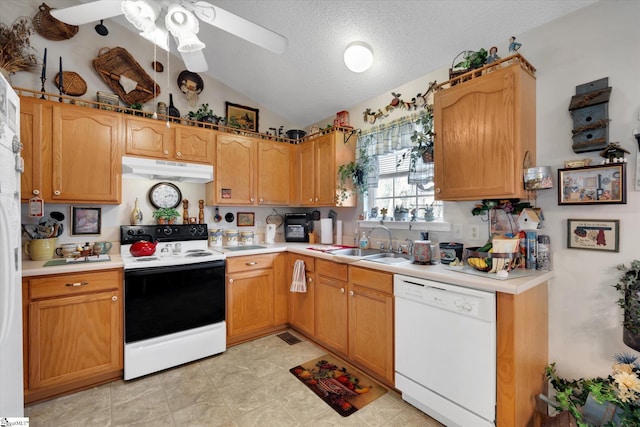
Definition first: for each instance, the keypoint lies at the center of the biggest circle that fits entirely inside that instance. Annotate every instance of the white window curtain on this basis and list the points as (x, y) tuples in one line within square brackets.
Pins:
[(387, 138)]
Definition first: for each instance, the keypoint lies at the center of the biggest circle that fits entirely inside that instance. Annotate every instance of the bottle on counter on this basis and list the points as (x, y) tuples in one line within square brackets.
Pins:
[(544, 253), (364, 242)]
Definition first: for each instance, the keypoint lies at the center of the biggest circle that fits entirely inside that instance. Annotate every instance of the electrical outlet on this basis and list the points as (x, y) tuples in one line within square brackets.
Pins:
[(474, 232), (457, 232)]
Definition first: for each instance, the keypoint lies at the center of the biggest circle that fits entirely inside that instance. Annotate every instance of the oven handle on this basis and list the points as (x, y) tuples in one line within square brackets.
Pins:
[(137, 272)]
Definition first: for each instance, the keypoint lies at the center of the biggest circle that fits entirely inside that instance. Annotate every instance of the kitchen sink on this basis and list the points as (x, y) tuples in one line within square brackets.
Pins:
[(375, 255), (388, 258), (355, 252)]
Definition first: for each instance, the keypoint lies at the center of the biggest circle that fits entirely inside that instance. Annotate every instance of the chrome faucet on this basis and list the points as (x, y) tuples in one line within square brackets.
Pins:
[(384, 227)]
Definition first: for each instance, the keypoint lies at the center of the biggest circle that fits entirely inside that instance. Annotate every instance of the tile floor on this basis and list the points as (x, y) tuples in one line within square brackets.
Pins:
[(248, 385)]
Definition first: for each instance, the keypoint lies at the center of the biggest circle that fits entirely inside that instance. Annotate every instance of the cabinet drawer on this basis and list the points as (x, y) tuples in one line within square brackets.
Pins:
[(371, 279), (309, 262), (72, 284), (254, 262), (332, 269)]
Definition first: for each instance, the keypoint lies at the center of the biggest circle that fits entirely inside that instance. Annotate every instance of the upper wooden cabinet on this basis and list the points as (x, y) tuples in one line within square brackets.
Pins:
[(250, 171), (317, 169), (152, 138), (72, 154), (485, 132)]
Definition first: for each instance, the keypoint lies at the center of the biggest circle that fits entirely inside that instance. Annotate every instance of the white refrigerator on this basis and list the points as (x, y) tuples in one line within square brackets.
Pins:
[(11, 388)]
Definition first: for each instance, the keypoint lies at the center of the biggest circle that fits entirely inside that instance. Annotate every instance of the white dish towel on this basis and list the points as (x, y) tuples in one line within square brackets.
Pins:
[(299, 280)]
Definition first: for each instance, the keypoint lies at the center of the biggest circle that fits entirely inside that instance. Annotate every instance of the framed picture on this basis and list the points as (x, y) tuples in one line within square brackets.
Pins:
[(85, 220), (241, 117), (603, 184), (594, 234), (246, 219)]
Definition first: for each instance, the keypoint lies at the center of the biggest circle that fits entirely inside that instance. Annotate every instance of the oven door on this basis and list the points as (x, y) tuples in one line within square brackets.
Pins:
[(164, 300)]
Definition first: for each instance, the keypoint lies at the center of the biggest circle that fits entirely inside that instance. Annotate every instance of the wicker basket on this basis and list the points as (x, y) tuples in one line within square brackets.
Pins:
[(72, 83), (50, 28), (113, 63)]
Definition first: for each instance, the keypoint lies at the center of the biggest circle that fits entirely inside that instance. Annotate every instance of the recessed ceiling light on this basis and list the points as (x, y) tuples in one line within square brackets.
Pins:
[(358, 57)]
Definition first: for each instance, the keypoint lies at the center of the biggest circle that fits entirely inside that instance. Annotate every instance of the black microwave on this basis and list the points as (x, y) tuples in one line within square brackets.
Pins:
[(296, 228)]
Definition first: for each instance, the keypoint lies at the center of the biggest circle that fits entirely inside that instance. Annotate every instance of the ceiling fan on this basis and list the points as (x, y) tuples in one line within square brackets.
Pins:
[(156, 19)]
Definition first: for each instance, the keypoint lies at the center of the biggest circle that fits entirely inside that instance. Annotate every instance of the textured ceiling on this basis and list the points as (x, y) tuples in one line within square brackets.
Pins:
[(410, 38)]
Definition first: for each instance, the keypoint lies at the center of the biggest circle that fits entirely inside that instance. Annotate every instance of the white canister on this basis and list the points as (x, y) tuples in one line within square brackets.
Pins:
[(246, 238), (231, 237), (215, 237)]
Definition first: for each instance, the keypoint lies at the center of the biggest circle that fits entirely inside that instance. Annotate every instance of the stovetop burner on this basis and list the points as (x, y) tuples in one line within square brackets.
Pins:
[(197, 254)]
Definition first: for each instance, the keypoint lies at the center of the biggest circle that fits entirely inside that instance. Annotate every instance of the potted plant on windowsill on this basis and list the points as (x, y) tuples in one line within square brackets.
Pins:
[(422, 140), (166, 215)]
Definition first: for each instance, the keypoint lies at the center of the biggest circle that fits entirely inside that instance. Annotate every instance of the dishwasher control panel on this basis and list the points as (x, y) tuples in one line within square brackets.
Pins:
[(458, 299)]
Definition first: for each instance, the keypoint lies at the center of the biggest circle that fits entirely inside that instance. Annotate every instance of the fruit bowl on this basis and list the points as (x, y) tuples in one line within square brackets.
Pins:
[(490, 261)]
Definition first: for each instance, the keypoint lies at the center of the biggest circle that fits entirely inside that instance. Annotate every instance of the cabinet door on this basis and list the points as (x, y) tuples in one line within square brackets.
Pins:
[(302, 305), (147, 137), (371, 330), (35, 135), (326, 178), (306, 173), (86, 155), (274, 173), (194, 144), (235, 177), (331, 313), (249, 301), (484, 127), (74, 338)]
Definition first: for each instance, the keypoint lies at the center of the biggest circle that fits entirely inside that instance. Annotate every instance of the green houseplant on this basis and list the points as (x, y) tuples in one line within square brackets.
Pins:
[(204, 114), (422, 139), (629, 287), (356, 172), (166, 215)]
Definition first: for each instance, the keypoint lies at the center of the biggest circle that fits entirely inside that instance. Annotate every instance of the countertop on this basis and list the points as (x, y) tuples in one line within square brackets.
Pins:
[(437, 272)]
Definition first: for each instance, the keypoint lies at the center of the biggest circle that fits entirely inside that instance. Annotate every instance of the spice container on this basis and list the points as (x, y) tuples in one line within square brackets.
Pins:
[(544, 253)]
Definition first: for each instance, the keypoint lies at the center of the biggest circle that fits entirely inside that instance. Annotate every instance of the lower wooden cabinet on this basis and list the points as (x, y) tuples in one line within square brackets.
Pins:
[(371, 321), (354, 316), (73, 332), (255, 305), (302, 304)]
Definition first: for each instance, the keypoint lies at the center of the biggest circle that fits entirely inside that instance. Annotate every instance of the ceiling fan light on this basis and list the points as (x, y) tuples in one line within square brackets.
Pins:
[(358, 57), (141, 13), (184, 26)]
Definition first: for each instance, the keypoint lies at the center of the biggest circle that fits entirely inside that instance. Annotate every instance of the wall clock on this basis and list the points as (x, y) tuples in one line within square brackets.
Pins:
[(165, 195)]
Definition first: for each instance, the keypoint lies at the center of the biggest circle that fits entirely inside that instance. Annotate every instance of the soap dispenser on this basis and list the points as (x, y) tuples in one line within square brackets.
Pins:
[(364, 242)]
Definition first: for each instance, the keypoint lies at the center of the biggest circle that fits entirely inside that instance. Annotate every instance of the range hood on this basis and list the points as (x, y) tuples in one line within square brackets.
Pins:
[(137, 167)]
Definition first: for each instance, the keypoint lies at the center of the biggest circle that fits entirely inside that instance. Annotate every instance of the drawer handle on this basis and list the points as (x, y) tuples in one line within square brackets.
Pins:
[(342, 290), (350, 293), (114, 298), (230, 280), (76, 284), (251, 263)]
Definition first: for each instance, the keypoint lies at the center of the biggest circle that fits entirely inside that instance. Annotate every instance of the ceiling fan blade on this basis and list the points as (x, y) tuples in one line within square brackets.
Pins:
[(237, 26), (88, 12), (195, 61)]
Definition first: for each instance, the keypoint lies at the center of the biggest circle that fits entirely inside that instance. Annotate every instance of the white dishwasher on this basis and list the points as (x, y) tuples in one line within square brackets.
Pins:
[(445, 350)]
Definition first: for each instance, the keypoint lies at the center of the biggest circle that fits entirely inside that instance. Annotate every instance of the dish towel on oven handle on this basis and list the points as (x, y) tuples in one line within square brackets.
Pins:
[(299, 280)]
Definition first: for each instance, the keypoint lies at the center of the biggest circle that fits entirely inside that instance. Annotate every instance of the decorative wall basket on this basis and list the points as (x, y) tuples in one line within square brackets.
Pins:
[(50, 28)]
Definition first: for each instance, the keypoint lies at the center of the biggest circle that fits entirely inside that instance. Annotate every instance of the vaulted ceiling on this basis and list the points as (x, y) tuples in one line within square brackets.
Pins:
[(410, 38)]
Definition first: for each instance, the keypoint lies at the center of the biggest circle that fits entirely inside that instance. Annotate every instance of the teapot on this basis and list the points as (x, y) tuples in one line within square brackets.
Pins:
[(143, 247)]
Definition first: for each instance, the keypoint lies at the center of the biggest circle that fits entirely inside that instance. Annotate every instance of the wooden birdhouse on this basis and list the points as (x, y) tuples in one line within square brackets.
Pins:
[(590, 111), (614, 153), (528, 220)]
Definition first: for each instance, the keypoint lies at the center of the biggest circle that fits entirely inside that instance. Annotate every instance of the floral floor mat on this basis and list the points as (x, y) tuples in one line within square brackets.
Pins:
[(341, 386)]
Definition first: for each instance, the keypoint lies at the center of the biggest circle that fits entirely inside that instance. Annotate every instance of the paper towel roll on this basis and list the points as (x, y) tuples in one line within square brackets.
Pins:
[(326, 231), (339, 232)]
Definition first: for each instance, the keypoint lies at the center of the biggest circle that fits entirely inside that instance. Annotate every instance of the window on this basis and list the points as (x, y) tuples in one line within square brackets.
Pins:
[(394, 188)]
